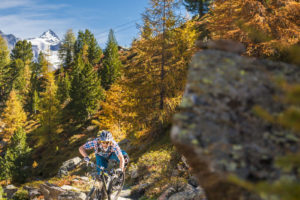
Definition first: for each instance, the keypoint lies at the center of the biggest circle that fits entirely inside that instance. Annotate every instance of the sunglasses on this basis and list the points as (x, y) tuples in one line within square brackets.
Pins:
[(105, 142)]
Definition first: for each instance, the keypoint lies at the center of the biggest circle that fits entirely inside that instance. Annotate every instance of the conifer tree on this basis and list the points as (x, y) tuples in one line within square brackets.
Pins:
[(267, 28), (4, 70), (157, 73), (35, 102), (22, 80), (64, 86), (13, 115), (21, 56), (49, 106), (86, 46), (116, 115), (86, 90), (22, 51), (36, 81), (16, 158), (66, 51), (111, 62)]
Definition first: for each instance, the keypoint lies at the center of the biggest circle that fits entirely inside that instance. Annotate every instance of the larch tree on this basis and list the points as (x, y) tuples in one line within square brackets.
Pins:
[(157, 72), (35, 102), (13, 115), (267, 28), (4, 70), (49, 107), (111, 67), (66, 50), (116, 114)]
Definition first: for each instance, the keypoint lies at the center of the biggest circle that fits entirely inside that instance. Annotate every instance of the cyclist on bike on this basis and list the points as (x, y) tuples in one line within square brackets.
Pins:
[(105, 149)]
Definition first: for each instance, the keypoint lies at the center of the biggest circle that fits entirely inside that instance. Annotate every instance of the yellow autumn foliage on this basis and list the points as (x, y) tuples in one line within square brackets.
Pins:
[(266, 27), (13, 115)]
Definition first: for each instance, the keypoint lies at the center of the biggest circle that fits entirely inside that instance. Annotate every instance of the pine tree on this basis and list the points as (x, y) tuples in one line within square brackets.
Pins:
[(13, 115), (22, 51), (111, 62), (49, 107), (199, 7), (4, 70), (20, 68), (86, 46), (64, 86), (16, 158), (86, 90), (22, 80), (66, 50), (36, 81)]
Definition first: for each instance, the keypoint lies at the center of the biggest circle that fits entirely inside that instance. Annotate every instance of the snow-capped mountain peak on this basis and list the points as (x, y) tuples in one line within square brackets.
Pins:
[(49, 44), (50, 36)]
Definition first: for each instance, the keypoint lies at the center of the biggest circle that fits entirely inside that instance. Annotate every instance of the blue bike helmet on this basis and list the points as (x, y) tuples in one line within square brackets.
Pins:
[(105, 135)]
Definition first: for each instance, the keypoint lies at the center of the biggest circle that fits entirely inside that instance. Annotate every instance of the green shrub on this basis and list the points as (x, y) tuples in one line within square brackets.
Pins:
[(2, 194), (21, 195)]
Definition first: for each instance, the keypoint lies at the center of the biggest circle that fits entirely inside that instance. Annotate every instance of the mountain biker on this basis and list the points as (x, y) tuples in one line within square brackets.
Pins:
[(105, 149)]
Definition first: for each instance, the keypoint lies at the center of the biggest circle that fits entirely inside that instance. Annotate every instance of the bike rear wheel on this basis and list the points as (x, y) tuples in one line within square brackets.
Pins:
[(115, 187)]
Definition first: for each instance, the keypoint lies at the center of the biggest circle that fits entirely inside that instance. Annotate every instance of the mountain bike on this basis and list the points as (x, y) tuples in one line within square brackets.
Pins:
[(106, 185)]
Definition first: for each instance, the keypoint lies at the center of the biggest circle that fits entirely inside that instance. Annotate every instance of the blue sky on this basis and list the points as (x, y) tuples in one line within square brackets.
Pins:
[(30, 18)]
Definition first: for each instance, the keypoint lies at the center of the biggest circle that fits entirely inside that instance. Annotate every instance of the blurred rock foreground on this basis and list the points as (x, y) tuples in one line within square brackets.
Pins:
[(217, 130)]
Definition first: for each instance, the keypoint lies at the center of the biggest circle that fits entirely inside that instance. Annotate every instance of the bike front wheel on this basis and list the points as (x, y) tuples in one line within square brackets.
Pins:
[(96, 193), (115, 187)]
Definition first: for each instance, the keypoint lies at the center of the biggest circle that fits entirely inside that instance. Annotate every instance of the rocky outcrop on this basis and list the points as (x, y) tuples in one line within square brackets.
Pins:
[(217, 129), (68, 166)]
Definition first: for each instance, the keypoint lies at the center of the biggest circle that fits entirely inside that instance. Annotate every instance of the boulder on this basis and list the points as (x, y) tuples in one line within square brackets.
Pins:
[(68, 166), (10, 190), (69, 195), (51, 191), (70, 188), (193, 181), (134, 173), (217, 129), (125, 145), (33, 193), (166, 194), (189, 193)]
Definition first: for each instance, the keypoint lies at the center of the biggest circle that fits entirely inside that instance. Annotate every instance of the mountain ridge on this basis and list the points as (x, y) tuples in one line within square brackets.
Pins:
[(48, 43)]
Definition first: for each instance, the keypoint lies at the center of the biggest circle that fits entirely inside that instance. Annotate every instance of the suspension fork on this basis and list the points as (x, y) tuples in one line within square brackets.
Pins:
[(105, 186)]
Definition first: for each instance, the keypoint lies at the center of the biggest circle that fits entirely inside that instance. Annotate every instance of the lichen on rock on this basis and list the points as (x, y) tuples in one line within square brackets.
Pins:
[(216, 128)]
